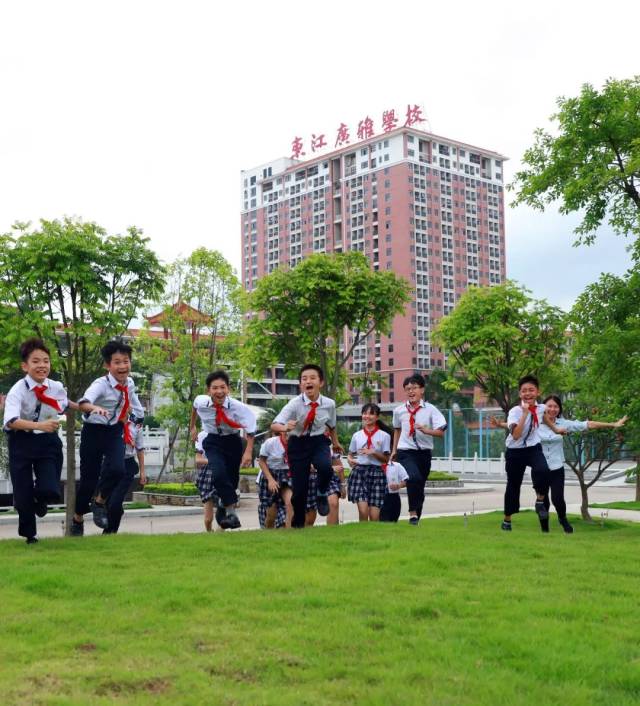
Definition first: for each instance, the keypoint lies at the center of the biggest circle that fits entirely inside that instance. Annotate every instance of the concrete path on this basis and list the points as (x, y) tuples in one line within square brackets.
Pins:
[(482, 498)]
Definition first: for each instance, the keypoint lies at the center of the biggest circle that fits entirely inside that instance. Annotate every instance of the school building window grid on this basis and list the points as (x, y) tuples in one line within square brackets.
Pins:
[(427, 207)]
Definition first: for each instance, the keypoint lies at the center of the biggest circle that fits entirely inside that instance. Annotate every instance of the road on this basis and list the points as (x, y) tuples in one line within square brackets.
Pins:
[(477, 499)]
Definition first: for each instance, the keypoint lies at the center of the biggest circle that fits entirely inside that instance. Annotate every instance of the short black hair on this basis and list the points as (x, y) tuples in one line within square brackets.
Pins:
[(32, 344), (312, 366), (532, 379), (113, 347), (415, 379), (556, 399), (217, 375)]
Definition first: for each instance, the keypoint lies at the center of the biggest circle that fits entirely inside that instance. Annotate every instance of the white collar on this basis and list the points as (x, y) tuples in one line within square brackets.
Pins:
[(308, 401), (31, 383)]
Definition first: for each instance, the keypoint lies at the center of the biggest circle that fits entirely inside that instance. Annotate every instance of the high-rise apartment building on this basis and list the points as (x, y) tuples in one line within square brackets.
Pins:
[(427, 207)]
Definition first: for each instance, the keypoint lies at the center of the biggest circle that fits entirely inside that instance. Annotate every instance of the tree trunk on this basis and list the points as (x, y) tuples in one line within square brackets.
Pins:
[(638, 479), (584, 507), (71, 469)]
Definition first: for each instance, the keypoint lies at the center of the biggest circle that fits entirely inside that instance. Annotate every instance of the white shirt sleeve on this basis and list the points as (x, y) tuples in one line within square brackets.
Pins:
[(12, 406), (288, 412), (93, 392), (437, 419)]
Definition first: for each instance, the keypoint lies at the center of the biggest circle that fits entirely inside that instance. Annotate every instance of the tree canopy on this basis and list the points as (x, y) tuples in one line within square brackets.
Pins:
[(302, 315), (591, 163), (495, 335), (76, 287)]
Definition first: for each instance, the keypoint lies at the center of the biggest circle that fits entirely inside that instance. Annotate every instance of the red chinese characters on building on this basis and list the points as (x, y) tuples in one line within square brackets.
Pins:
[(342, 136), (317, 142), (389, 120), (414, 115), (297, 148), (365, 128)]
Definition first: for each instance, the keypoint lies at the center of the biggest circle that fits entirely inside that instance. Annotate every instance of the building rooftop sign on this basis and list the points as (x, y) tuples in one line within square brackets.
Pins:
[(366, 129)]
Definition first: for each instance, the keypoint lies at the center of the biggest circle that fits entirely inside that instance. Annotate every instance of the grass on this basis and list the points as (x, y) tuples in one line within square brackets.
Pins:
[(620, 505), (442, 614)]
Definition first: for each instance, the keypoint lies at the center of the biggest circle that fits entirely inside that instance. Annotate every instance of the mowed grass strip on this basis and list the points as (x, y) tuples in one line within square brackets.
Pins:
[(374, 614), (619, 505)]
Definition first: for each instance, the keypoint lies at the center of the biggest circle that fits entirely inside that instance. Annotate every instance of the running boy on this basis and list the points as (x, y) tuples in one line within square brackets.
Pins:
[(106, 406), (31, 420), (524, 446), (223, 418), (415, 424), (396, 479), (305, 418)]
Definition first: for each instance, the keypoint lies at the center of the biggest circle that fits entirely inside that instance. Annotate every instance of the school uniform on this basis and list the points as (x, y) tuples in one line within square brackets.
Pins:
[(274, 453), (34, 453), (133, 444), (308, 445), (102, 439), (204, 477), (415, 448), (223, 445), (367, 481), (553, 449), (390, 511), (522, 452)]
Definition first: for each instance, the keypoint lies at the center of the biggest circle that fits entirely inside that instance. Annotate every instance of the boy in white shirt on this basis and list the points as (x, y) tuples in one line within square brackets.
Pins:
[(31, 414), (396, 478)]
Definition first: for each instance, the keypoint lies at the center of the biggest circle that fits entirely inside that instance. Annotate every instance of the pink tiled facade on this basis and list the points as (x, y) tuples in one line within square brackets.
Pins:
[(429, 208)]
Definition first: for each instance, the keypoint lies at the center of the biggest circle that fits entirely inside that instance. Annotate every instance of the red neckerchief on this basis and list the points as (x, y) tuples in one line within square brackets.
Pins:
[(222, 417), (124, 412), (534, 415), (39, 391), (370, 435), (308, 422), (412, 418)]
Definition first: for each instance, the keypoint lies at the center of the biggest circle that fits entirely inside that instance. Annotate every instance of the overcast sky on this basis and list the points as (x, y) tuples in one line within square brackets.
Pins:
[(145, 112)]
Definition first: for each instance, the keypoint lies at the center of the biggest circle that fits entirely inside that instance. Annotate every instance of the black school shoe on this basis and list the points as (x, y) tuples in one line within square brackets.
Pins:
[(77, 529), (100, 518), (414, 521), (41, 508), (566, 526), (542, 511), (322, 504), (230, 521), (32, 540), (506, 526)]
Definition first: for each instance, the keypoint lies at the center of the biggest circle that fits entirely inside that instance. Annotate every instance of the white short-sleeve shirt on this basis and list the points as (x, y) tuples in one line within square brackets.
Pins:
[(137, 434), (427, 415), (299, 407), (273, 452), (102, 392), (235, 410), (21, 402), (553, 444), (395, 473), (530, 434), (380, 441)]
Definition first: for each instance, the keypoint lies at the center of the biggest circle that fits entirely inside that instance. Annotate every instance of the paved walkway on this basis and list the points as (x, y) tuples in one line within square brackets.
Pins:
[(482, 498)]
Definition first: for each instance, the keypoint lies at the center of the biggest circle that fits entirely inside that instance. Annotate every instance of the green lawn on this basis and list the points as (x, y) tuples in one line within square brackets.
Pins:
[(360, 614), (621, 505)]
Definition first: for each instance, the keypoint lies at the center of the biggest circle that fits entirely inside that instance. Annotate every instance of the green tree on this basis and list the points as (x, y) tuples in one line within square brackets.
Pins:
[(76, 287), (591, 164), (605, 321), (304, 314), (200, 318), (495, 335)]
